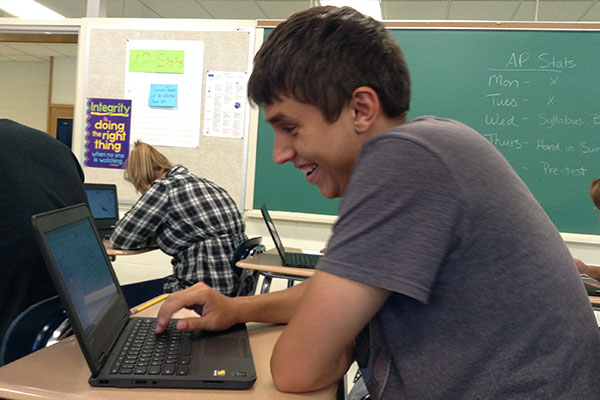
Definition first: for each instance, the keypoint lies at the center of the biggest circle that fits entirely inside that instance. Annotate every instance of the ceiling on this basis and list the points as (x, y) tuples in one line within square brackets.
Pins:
[(36, 52), (496, 10), (473, 10)]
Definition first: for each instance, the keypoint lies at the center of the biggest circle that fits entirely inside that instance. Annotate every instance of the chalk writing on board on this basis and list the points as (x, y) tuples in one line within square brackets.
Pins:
[(496, 119), (586, 149), (528, 95), (550, 121), (498, 141), (567, 171)]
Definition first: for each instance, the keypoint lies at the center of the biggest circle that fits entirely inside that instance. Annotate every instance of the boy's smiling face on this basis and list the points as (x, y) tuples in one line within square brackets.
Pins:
[(324, 152)]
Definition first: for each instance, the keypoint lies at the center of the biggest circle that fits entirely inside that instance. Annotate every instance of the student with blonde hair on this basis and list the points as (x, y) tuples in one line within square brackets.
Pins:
[(190, 218)]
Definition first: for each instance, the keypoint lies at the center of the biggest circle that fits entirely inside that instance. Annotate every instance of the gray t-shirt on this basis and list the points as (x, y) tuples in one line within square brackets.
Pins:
[(486, 300)]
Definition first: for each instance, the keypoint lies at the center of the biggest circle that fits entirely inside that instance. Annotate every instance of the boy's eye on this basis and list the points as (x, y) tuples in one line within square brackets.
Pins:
[(289, 129)]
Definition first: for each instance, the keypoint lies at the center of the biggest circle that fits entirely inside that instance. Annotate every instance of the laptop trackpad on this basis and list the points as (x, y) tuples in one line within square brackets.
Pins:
[(224, 347)]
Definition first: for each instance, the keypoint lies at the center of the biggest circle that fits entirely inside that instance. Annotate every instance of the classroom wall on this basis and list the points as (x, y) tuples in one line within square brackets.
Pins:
[(24, 98), (24, 89), (64, 77), (24, 92)]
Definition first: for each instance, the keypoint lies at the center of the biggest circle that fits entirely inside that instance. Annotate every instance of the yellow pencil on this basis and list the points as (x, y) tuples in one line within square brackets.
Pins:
[(149, 304)]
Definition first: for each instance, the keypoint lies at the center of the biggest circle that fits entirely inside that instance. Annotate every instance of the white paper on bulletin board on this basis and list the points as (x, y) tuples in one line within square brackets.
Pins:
[(225, 104), (177, 126)]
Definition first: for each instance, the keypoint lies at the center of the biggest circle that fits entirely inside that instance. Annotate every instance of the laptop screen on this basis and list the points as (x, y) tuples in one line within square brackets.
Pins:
[(102, 201), (84, 279), (94, 302), (93, 291), (273, 231)]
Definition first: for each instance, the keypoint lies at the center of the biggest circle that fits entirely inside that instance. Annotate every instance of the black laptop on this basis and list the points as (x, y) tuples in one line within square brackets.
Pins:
[(124, 351), (592, 286), (289, 259), (104, 205)]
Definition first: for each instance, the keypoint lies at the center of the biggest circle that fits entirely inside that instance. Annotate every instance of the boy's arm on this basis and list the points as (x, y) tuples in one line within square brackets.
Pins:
[(590, 270), (324, 315), (220, 312), (316, 348)]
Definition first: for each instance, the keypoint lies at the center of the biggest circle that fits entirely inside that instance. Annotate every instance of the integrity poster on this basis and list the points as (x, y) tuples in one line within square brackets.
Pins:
[(108, 132)]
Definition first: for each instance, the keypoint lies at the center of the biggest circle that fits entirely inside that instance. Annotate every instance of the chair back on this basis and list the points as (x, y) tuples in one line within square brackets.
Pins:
[(140, 292), (248, 279), (33, 329)]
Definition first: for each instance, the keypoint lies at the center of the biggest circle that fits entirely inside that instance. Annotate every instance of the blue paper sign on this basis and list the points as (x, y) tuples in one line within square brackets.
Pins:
[(162, 95)]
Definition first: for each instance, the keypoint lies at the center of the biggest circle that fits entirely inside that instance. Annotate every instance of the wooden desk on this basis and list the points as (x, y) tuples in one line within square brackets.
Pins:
[(60, 372), (268, 265), (270, 262)]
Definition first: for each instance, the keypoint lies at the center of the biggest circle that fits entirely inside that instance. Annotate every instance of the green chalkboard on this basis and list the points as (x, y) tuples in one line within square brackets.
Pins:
[(535, 94)]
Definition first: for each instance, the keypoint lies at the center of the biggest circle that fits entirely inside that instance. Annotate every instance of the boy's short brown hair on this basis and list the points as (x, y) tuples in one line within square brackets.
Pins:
[(319, 56)]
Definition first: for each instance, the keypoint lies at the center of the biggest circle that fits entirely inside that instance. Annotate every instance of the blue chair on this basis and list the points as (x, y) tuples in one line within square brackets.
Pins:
[(140, 292), (40, 325), (247, 279)]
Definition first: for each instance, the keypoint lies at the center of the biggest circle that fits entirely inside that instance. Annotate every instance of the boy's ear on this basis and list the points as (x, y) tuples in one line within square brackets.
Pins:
[(366, 107)]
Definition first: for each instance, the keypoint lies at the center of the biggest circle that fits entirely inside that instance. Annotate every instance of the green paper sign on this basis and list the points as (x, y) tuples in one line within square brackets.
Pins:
[(162, 61)]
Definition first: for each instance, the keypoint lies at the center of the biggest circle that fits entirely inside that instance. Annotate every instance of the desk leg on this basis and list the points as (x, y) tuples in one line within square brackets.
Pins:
[(242, 283), (266, 285)]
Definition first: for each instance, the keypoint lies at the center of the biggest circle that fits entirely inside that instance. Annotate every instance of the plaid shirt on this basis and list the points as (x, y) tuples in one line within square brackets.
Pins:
[(193, 220)]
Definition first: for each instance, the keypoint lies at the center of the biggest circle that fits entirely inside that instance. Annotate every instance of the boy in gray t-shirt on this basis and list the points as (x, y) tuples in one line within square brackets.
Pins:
[(461, 244), (443, 278)]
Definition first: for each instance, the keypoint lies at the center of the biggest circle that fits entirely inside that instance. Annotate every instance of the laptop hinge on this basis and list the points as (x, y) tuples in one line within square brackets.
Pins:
[(104, 356)]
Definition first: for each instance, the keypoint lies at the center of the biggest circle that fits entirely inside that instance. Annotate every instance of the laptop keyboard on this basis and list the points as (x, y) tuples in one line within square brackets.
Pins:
[(302, 260), (146, 353)]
